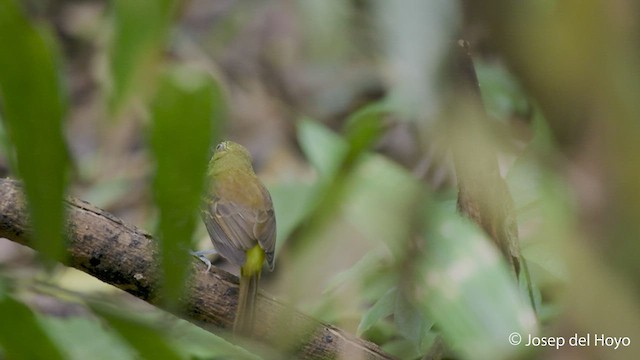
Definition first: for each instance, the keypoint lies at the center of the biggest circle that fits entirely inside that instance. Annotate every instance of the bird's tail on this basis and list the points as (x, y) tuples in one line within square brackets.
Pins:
[(245, 313)]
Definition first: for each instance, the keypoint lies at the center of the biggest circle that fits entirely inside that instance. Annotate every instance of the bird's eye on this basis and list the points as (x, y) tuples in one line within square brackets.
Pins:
[(221, 146)]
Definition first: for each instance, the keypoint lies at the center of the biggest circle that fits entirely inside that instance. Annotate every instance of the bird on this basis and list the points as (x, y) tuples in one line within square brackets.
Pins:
[(238, 213)]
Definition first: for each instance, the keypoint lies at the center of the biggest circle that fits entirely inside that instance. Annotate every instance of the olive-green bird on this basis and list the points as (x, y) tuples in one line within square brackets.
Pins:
[(238, 213)]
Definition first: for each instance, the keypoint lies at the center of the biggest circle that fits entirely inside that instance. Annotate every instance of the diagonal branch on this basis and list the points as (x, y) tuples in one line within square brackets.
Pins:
[(124, 256), (483, 195)]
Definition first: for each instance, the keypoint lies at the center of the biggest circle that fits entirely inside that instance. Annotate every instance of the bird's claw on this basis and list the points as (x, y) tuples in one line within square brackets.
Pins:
[(201, 255)]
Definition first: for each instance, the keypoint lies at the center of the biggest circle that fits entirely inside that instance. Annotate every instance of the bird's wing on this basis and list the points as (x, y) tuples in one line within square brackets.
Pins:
[(234, 229), (265, 228), (230, 233)]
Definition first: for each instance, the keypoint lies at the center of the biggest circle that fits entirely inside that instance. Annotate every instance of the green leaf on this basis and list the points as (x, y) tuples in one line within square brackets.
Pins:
[(367, 264), (142, 331), (468, 290), (381, 309), (410, 320), (6, 153), (86, 338), (147, 340), (141, 28), (526, 177), (328, 151), (323, 148), (21, 336), (292, 202), (182, 134), (501, 94), (375, 181), (34, 106), (364, 127), (198, 343), (402, 348), (524, 181), (542, 200), (380, 193)]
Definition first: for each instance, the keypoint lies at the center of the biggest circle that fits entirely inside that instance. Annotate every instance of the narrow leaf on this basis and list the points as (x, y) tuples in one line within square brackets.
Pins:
[(147, 340), (364, 128), (181, 138), (21, 336), (85, 337), (33, 106), (469, 291), (141, 27), (324, 149), (381, 309)]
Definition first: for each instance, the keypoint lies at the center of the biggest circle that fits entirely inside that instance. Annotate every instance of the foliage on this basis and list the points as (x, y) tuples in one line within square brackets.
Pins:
[(140, 30), (37, 345), (365, 240), (181, 136), (34, 104)]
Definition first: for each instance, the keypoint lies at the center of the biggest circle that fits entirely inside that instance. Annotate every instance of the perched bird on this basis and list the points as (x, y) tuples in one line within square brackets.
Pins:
[(238, 213)]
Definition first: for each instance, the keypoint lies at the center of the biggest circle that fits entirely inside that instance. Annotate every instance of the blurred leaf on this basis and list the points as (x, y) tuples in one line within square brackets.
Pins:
[(141, 27), (541, 205), (543, 140), (381, 309), (376, 180), (469, 291), (402, 348), (181, 138), (380, 193), (524, 181), (183, 339), (147, 340), (328, 152), (526, 175), (292, 202), (383, 277), (21, 336), (502, 96), (198, 343), (33, 106), (329, 157), (335, 160), (547, 258), (410, 321), (86, 338), (5, 144), (367, 264), (322, 147), (364, 127)]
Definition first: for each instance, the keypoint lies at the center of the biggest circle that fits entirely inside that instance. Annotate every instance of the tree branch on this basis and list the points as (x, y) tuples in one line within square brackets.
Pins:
[(124, 256), (483, 195)]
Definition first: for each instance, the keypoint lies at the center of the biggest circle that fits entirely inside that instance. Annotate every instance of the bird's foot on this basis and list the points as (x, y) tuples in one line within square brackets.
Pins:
[(201, 255)]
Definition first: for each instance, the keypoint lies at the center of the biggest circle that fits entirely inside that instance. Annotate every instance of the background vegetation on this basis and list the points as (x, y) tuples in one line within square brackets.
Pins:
[(351, 111)]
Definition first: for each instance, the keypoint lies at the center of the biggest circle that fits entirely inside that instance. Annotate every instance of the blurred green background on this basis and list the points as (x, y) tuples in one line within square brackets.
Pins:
[(349, 109)]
